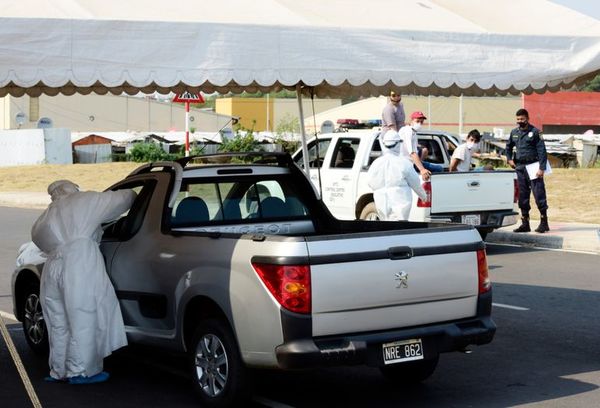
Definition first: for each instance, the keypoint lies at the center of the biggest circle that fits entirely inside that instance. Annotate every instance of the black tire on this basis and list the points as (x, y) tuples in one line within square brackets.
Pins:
[(411, 372), (34, 326), (369, 212), (220, 377)]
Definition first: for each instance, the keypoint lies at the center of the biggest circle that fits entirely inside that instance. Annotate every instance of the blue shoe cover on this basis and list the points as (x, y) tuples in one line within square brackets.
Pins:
[(54, 380), (98, 378)]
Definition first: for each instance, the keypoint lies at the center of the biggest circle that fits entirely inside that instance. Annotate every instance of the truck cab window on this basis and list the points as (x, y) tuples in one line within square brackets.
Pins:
[(434, 149), (202, 203), (316, 153), (128, 224), (344, 153)]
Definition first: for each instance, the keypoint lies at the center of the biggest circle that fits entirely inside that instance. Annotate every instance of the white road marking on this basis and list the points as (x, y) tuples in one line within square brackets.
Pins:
[(35, 401), (269, 403), (509, 306), (8, 316)]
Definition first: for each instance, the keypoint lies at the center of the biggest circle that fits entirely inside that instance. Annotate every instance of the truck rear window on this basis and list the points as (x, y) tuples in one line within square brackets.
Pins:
[(215, 202)]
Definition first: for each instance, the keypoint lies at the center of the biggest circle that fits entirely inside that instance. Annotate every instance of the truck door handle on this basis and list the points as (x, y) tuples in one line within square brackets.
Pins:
[(346, 178), (400, 252), (473, 183)]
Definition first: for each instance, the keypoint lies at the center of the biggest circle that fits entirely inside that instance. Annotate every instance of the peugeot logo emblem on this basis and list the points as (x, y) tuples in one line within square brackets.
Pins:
[(401, 279)]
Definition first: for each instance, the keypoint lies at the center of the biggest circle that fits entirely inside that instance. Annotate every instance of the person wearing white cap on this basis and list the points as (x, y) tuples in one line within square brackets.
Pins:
[(392, 178), (79, 304)]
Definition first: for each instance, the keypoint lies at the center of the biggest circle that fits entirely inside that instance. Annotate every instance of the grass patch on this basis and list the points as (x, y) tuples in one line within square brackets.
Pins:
[(88, 176), (573, 194)]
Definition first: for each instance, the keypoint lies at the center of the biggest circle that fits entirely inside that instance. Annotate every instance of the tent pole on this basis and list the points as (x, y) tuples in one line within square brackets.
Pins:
[(302, 130), (460, 116), (187, 129)]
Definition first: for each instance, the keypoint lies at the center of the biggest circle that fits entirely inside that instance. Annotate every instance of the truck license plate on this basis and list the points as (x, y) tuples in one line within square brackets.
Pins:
[(401, 351), (471, 219)]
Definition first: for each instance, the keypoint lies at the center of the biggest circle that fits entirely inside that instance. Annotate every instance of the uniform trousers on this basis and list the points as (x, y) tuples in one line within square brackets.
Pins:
[(526, 187)]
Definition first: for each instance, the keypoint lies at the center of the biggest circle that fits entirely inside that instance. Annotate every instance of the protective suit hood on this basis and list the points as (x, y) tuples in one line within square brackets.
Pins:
[(391, 143), (61, 188)]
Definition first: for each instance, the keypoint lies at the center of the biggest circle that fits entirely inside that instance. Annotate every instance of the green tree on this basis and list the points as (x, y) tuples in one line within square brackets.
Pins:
[(288, 125), (209, 103), (593, 85)]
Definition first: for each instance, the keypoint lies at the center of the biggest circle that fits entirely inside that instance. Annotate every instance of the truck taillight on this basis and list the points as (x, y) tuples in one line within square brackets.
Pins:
[(289, 284), (516, 190), (427, 188), (485, 284)]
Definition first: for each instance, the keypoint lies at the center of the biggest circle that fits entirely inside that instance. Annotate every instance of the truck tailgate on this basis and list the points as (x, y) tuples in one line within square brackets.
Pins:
[(472, 191), (359, 285)]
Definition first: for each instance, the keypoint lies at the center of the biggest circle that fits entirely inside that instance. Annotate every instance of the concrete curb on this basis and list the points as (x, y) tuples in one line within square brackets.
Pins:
[(542, 241), (24, 199), (566, 236)]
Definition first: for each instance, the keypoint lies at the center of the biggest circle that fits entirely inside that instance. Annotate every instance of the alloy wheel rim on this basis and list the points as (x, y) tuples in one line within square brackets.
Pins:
[(34, 319), (212, 368)]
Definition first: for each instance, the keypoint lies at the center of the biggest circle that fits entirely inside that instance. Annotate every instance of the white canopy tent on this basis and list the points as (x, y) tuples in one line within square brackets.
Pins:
[(336, 47), (321, 48)]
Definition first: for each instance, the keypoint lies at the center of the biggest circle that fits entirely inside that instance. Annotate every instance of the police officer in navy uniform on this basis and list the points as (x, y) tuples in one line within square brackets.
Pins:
[(530, 148)]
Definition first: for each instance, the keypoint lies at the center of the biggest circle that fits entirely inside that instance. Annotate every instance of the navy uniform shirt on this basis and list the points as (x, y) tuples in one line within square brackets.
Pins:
[(529, 146)]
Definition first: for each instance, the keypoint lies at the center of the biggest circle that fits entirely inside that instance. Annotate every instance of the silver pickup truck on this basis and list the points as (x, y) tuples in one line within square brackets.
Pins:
[(241, 266)]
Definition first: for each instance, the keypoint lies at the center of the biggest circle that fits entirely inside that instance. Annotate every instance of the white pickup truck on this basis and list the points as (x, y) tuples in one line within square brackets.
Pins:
[(338, 169)]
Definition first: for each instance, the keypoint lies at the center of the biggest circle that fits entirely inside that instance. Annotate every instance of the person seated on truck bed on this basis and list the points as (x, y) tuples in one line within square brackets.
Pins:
[(391, 176), (461, 158), (409, 149)]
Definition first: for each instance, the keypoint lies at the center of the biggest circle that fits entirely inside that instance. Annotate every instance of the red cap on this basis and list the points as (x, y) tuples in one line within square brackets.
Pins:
[(417, 115)]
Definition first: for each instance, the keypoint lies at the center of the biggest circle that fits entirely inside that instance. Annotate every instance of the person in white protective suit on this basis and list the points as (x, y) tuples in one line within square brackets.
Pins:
[(392, 177), (78, 300)]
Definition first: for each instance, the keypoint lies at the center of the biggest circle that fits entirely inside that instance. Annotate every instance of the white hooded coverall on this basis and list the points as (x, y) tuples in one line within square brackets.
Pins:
[(78, 300), (392, 177)]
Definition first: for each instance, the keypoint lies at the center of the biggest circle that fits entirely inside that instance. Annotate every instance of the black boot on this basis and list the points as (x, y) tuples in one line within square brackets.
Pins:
[(543, 227), (524, 227)]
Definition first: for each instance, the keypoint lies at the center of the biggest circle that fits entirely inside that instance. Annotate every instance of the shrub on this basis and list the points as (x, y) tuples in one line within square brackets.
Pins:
[(120, 157), (148, 152), (240, 143), (288, 146)]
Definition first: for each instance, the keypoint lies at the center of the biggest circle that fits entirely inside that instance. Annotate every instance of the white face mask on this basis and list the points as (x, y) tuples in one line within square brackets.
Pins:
[(470, 145), (416, 126)]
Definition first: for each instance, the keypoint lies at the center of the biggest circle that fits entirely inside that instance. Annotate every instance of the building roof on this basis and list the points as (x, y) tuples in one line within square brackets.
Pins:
[(92, 140)]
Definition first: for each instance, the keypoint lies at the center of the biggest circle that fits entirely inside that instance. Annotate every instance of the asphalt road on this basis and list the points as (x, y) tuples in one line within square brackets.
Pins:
[(546, 351)]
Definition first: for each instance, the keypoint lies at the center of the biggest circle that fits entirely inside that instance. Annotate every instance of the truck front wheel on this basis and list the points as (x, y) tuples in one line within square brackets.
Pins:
[(369, 212), (34, 326)]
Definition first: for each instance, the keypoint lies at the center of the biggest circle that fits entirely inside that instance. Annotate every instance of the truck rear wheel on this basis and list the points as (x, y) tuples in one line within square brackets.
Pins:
[(411, 372), (219, 374), (369, 212)]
